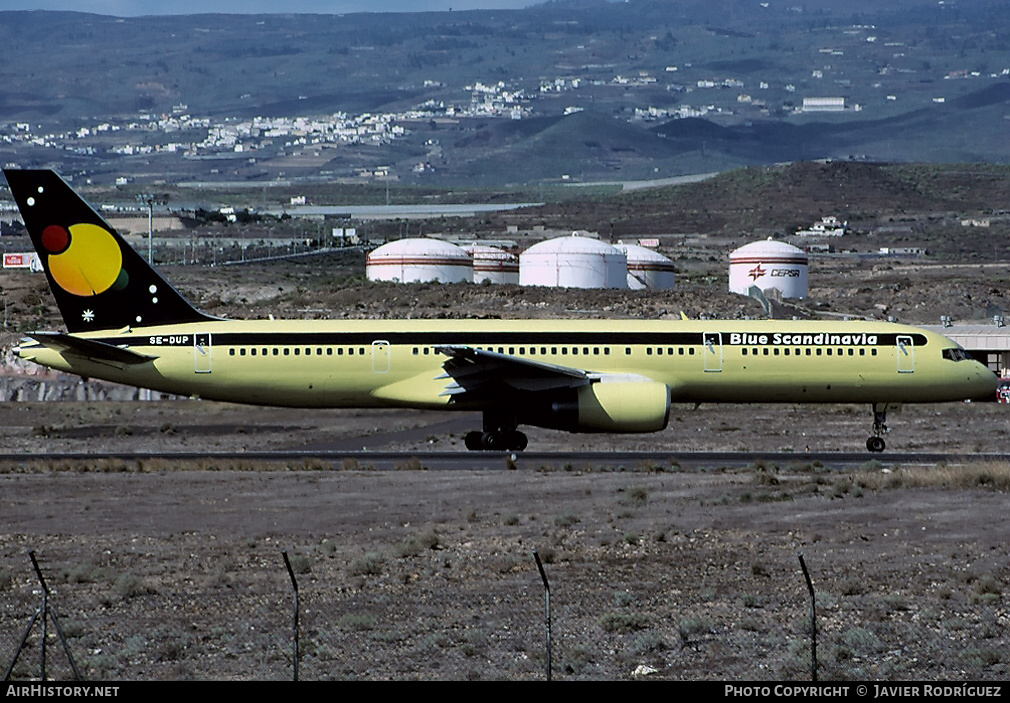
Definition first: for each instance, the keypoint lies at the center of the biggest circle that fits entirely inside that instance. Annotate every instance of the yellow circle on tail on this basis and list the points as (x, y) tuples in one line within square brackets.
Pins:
[(90, 265)]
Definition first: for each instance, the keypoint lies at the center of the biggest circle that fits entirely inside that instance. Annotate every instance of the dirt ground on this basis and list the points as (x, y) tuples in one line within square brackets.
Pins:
[(170, 570), (174, 570)]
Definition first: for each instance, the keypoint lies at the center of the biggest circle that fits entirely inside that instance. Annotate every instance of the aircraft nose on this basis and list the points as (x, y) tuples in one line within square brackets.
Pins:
[(984, 382)]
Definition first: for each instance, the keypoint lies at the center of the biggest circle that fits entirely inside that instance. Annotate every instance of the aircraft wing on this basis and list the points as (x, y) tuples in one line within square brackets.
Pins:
[(476, 371), (90, 349)]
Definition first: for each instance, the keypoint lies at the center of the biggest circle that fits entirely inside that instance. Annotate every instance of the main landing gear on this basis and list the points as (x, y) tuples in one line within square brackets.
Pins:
[(875, 443), (498, 435)]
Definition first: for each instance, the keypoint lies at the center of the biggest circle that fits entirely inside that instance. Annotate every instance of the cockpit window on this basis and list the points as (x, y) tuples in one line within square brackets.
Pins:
[(956, 354)]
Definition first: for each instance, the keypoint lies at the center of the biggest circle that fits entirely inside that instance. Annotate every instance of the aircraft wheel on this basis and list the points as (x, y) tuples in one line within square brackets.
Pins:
[(517, 441), (493, 441), (875, 444), (472, 441)]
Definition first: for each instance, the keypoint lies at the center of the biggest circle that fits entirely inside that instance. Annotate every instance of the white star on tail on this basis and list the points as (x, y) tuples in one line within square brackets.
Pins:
[(88, 315)]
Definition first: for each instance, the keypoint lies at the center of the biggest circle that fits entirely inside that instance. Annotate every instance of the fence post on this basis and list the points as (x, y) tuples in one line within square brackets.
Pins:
[(294, 585), (547, 609), (813, 619), (46, 612)]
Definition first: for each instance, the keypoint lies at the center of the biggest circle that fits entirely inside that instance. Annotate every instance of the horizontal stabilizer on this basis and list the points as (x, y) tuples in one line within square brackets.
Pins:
[(89, 348)]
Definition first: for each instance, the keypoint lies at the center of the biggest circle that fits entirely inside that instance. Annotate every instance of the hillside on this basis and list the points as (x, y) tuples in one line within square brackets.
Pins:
[(589, 90)]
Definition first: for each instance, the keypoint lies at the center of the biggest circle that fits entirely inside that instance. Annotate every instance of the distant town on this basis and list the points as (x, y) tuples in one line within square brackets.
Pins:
[(371, 98)]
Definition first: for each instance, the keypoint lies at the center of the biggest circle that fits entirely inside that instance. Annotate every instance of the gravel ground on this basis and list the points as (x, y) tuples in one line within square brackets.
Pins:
[(169, 571)]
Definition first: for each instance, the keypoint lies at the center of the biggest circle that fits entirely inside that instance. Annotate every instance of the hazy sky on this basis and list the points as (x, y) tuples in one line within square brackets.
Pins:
[(130, 8)]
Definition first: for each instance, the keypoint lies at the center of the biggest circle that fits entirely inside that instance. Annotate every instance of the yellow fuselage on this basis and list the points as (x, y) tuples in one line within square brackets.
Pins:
[(394, 363)]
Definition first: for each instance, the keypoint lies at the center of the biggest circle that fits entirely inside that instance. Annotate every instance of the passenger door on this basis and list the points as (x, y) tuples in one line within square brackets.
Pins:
[(712, 351), (380, 356), (906, 354), (203, 353)]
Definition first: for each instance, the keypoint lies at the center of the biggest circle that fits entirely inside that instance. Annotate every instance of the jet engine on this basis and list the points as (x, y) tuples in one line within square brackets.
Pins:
[(616, 406)]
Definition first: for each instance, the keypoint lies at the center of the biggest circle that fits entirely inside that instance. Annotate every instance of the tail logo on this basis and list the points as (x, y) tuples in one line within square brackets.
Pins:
[(84, 259)]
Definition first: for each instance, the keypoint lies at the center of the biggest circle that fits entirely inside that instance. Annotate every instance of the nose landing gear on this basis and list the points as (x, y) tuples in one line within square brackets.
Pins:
[(875, 443)]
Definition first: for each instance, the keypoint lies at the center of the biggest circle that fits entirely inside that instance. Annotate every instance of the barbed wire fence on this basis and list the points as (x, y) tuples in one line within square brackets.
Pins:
[(505, 628)]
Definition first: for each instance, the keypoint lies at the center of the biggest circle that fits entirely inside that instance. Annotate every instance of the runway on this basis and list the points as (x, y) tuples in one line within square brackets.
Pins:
[(462, 460)]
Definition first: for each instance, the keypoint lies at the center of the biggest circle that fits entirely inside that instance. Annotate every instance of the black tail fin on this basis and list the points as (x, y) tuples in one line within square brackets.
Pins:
[(98, 280)]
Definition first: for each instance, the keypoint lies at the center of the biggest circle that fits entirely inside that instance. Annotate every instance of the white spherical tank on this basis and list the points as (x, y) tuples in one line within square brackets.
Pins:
[(493, 265), (647, 268), (419, 260), (769, 264), (573, 262)]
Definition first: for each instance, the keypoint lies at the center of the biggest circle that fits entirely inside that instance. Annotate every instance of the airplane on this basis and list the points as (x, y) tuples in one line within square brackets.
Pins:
[(126, 324)]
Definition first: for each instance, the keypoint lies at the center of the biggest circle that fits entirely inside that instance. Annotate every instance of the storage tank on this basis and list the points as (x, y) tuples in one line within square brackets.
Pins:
[(492, 264), (647, 268), (769, 264), (419, 260), (573, 262)]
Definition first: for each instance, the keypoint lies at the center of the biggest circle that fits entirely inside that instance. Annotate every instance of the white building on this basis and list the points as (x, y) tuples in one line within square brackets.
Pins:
[(492, 264), (829, 226), (419, 260), (647, 268), (769, 265), (823, 104), (573, 262)]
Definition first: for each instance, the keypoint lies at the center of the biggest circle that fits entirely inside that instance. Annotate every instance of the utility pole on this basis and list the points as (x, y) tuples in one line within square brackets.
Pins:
[(151, 200)]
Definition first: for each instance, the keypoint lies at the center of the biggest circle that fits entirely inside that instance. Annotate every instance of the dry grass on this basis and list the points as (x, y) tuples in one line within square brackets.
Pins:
[(992, 475)]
